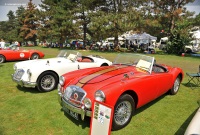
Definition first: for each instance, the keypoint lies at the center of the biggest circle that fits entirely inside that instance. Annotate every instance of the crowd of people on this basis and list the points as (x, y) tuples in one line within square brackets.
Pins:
[(100, 46)]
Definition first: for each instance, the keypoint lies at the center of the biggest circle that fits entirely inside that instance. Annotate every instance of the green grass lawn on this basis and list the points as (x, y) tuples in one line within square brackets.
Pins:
[(26, 111)]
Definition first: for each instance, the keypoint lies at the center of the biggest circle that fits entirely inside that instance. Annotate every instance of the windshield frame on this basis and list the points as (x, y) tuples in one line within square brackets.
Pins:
[(67, 53), (143, 62)]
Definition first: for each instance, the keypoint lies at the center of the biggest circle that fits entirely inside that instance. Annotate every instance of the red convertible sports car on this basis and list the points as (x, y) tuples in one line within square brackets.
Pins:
[(131, 82), (15, 53)]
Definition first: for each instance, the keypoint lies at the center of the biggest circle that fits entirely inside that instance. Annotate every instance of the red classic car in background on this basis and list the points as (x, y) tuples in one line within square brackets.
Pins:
[(14, 53), (131, 82)]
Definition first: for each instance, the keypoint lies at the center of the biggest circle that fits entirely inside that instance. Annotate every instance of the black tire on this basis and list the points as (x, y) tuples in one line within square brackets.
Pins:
[(104, 64), (2, 59), (125, 106), (47, 81), (176, 86), (35, 56)]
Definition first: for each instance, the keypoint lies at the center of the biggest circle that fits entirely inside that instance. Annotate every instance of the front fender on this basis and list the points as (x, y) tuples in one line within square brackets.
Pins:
[(177, 72)]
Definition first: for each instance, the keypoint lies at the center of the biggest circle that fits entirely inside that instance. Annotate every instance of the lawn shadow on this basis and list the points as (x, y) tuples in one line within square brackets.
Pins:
[(30, 90), (191, 85), (84, 123), (184, 126), (139, 110)]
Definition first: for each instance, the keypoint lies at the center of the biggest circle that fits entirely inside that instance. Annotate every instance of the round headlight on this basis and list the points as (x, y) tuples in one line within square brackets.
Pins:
[(100, 96), (87, 102), (29, 72), (61, 80)]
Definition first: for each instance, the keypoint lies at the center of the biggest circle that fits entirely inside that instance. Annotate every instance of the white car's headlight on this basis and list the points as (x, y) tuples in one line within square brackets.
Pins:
[(29, 72), (61, 80), (87, 103), (100, 96)]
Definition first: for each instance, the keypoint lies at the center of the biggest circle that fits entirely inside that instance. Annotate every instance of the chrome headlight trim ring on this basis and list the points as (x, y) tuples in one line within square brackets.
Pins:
[(61, 80), (100, 96), (87, 102)]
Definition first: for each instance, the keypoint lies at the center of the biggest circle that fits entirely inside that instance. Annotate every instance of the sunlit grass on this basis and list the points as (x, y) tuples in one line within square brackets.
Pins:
[(25, 111)]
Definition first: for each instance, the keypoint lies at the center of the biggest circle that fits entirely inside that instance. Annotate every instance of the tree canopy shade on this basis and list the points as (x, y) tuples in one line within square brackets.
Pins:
[(58, 20)]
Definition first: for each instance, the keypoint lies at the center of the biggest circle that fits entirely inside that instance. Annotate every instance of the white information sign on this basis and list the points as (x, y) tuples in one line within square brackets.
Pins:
[(101, 120)]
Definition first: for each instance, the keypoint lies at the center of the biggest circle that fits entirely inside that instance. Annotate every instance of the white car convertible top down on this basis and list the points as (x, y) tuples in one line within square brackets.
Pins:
[(44, 73)]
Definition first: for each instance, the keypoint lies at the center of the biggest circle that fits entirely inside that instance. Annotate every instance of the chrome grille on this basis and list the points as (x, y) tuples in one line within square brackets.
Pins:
[(74, 95), (18, 74)]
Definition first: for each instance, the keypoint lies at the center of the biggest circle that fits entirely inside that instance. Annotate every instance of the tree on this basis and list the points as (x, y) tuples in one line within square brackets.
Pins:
[(11, 15), (169, 12), (58, 20), (30, 23), (20, 15), (113, 18), (11, 31)]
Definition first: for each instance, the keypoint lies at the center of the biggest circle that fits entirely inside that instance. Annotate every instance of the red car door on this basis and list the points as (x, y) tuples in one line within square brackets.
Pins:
[(19, 55), (163, 82), (150, 87)]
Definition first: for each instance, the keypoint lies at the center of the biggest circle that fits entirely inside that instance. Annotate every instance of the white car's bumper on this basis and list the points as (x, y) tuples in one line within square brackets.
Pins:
[(23, 83)]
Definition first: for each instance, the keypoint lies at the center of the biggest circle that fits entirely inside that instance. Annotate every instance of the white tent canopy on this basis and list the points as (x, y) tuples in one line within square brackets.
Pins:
[(141, 38)]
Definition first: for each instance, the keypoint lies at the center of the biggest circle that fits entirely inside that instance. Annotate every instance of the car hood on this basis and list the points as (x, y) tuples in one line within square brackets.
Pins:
[(40, 62), (111, 74)]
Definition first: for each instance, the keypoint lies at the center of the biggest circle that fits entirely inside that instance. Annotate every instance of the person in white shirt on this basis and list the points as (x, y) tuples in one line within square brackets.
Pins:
[(16, 43), (2, 44)]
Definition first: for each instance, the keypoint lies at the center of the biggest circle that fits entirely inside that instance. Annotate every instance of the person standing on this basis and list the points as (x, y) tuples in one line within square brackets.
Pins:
[(2, 44)]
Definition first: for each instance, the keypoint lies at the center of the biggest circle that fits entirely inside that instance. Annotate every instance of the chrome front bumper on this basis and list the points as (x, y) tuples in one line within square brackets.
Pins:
[(24, 83), (82, 111)]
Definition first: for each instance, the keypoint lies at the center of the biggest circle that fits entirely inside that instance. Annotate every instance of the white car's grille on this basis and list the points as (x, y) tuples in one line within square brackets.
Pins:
[(74, 95), (18, 74)]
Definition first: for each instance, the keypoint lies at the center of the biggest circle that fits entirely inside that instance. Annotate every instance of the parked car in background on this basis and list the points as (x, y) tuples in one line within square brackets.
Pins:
[(14, 53), (44, 74), (10, 47), (131, 82), (163, 43), (194, 126)]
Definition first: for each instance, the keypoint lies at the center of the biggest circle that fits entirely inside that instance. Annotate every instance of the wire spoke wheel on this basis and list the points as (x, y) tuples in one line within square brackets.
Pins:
[(48, 82), (35, 56), (176, 85), (123, 112)]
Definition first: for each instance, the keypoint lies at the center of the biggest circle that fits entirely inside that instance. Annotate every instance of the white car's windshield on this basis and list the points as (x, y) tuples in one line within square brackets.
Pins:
[(71, 55), (140, 61)]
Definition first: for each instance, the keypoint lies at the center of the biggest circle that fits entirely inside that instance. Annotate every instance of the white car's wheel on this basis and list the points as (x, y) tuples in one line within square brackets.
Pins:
[(47, 81), (104, 64), (123, 111)]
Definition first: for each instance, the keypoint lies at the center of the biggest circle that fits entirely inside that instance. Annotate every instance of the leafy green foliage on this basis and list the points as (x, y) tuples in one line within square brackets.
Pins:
[(177, 42), (58, 20)]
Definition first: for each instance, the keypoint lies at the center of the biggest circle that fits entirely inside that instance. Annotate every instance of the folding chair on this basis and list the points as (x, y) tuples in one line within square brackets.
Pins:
[(194, 78)]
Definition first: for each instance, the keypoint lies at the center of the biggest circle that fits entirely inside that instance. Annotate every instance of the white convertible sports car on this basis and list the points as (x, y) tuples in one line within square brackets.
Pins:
[(44, 73), (194, 126)]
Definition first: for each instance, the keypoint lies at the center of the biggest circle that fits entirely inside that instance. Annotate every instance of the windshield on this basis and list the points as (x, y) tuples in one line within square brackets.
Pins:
[(72, 55), (140, 61)]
